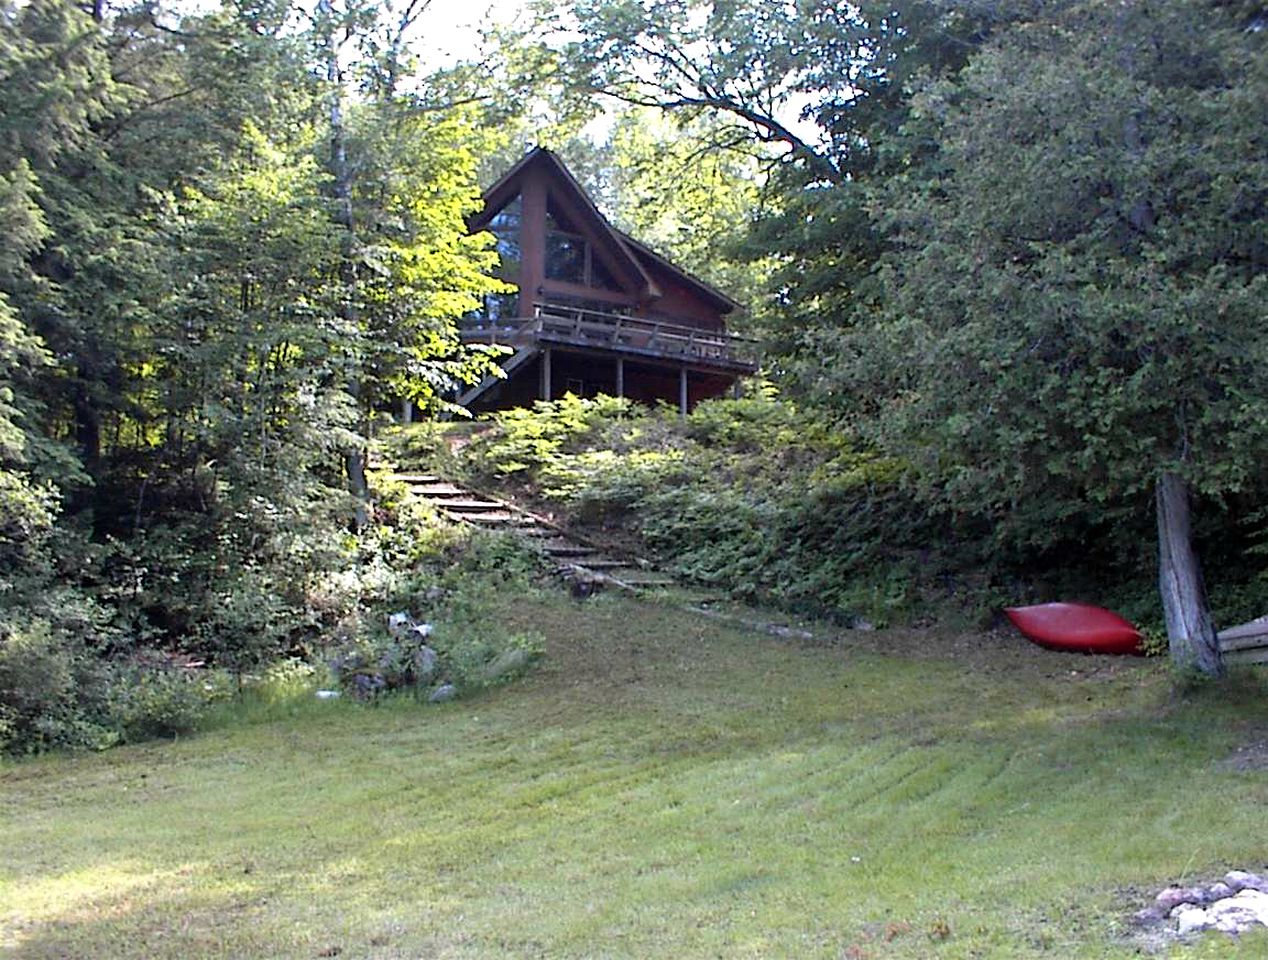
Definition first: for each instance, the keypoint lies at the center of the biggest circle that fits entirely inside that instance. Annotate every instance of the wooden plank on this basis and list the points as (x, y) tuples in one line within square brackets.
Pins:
[(1239, 657), (1255, 628), (1228, 644)]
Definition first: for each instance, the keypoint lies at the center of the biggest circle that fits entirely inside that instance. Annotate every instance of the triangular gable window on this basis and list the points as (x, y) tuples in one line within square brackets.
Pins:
[(570, 257)]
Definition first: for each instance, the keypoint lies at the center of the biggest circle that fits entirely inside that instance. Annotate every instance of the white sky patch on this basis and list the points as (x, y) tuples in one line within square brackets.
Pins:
[(449, 31)]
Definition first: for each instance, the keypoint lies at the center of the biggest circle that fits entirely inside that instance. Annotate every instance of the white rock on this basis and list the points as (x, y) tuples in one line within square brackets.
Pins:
[(327, 694), (399, 623), (1256, 901), (1191, 918), (422, 630), (1230, 918)]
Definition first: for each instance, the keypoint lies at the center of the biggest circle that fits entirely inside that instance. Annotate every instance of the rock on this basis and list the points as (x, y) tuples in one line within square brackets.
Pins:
[(425, 661), (367, 685), (1148, 916), (1256, 901), (433, 593), (505, 664), (328, 694), (1244, 880), (860, 623), (1218, 891), (1229, 916), (444, 692), (422, 631), (1190, 918), (1172, 897), (399, 624)]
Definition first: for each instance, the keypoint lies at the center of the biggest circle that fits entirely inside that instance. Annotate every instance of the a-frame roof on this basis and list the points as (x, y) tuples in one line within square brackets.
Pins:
[(634, 256)]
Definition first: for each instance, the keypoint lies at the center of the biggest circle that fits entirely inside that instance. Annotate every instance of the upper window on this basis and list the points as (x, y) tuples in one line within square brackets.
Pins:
[(570, 257), (505, 225)]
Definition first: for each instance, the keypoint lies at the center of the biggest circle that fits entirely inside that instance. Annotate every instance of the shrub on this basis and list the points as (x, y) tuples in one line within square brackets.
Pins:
[(164, 701), (53, 693)]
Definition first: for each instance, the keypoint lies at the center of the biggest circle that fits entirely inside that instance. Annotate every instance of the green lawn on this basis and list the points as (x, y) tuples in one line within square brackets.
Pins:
[(662, 786)]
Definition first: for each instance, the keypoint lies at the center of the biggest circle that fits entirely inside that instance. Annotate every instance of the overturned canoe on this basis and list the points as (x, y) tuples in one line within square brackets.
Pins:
[(1078, 627)]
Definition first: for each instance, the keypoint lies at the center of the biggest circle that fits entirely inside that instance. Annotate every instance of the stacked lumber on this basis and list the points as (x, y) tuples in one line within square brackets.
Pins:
[(1245, 643)]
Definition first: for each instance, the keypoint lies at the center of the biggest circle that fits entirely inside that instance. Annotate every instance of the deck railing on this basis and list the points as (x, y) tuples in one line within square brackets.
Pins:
[(642, 335)]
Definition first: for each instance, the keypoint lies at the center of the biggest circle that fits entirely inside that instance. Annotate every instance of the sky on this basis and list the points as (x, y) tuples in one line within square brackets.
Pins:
[(450, 29)]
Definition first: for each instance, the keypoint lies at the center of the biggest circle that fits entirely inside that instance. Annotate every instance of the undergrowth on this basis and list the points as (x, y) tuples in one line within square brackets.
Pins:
[(771, 503)]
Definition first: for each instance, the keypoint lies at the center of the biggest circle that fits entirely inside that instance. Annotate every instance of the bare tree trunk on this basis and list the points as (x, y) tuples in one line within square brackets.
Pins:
[(1190, 633), (355, 458)]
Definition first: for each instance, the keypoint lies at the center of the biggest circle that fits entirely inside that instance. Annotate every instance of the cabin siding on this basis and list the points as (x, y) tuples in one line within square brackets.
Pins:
[(575, 330)]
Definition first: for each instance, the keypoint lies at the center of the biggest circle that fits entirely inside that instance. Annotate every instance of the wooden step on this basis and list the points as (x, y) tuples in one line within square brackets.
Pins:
[(568, 550), (609, 565), (439, 491), (507, 521), (415, 479), (470, 506)]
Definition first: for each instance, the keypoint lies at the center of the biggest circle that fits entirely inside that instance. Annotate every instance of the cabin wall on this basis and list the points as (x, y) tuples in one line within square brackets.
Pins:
[(681, 303)]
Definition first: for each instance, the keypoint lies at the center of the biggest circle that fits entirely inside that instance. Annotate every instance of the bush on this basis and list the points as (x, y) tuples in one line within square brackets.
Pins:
[(165, 701), (53, 693)]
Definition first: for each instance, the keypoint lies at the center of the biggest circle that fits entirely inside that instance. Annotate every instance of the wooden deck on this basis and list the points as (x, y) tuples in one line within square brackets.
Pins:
[(555, 324)]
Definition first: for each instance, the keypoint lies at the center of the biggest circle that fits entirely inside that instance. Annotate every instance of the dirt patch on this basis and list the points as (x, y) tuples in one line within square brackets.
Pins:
[(1248, 757)]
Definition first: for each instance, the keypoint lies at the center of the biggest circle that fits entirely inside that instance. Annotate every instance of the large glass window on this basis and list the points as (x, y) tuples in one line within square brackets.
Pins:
[(505, 225), (566, 256), (570, 257)]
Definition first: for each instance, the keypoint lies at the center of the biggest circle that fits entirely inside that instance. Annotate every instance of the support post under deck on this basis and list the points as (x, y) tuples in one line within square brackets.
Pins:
[(545, 384), (682, 392), (620, 376)]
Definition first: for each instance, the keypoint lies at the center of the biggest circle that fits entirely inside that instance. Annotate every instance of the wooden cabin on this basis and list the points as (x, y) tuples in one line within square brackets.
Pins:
[(594, 310)]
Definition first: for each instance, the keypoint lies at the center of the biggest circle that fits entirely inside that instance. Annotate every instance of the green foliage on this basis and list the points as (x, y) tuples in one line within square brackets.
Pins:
[(753, 496), (164, 702), (52, 693)]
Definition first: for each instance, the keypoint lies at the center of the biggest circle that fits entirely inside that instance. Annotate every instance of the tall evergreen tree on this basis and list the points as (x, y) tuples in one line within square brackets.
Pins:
[(1076, 313)]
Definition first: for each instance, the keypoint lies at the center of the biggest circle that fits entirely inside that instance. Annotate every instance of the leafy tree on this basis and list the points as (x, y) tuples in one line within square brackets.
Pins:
[(823, 90), (691, 192), (1075, 314)]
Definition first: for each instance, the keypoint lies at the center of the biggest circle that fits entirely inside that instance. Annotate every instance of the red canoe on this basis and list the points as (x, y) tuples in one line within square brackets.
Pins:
[(1078, 627)]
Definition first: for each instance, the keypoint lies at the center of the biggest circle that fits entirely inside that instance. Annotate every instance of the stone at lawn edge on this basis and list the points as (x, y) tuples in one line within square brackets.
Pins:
[(1149, 916), (1256, 901), (1244, 880), (1230, 917), (1172, 897), (1218, 891), (398, 624), (1190, 918), (446, 691)]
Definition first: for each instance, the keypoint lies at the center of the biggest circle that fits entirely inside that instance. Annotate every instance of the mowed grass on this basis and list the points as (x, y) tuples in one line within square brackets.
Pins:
[(662, 786)]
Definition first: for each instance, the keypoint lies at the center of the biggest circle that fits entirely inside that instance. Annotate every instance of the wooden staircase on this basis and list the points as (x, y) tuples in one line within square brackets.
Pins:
[(582, 562)]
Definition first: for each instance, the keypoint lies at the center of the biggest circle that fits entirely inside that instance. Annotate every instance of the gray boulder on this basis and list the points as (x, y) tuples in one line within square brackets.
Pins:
[(443, 693), (1244, 880)]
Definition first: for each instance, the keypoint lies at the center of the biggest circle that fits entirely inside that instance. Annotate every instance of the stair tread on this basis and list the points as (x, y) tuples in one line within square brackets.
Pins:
[(462, 504)]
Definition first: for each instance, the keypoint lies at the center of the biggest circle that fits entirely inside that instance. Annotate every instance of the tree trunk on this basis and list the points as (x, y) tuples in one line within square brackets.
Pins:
[(1190, 633), (354, 459)]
